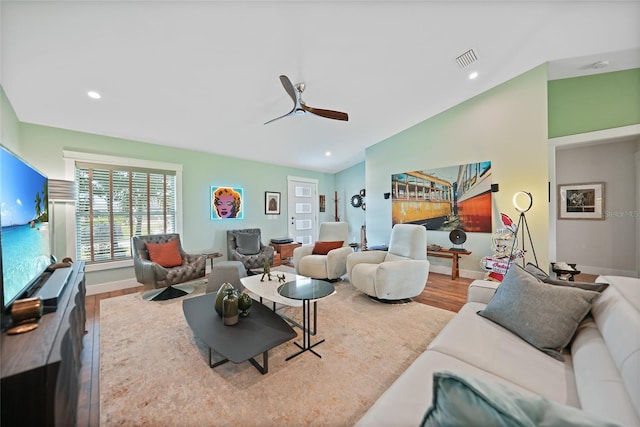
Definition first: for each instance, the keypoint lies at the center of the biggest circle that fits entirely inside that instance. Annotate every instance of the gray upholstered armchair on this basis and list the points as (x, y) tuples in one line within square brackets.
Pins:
[(154, 276), (246, 246)]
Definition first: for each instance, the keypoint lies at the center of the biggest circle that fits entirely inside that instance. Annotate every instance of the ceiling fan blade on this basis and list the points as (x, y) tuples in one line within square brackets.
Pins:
[(329, 114), (288, 86), (290, 113)]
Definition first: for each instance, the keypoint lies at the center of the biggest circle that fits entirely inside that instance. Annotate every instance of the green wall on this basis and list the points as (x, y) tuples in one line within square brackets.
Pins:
[(348, 183), (43, 146), (591, 103), (506, 125)]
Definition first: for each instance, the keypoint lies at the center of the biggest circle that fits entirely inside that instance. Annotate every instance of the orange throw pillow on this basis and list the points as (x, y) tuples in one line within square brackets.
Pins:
[(165, 254), (323, 248)]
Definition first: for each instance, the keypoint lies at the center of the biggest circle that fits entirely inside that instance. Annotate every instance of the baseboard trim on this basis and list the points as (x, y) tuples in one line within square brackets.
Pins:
[(469, 274)]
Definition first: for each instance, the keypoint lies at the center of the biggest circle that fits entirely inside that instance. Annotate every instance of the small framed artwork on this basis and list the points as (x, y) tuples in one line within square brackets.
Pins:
[(581, 201), (322, 202), (271, 203), (226, 203)]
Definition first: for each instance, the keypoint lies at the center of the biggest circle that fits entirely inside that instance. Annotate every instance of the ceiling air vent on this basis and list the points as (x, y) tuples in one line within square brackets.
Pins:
[(466, 59)]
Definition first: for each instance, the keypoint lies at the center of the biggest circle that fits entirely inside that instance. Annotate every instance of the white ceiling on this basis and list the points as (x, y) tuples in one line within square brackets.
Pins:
[(203, 75)]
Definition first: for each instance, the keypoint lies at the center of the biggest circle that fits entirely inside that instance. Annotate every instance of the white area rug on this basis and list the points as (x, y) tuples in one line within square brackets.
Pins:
[(154, 371)]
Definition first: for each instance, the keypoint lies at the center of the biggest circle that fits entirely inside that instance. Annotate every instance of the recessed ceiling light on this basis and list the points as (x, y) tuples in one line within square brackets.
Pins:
[(473, 75), (93, 94), (328, 153)]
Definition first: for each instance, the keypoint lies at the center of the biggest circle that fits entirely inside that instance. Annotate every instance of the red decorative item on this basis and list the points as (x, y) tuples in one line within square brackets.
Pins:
[(508, 222)]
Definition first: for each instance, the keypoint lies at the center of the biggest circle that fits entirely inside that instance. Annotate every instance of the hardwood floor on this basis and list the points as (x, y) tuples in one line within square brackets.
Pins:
[(89, 398), (441, 292)]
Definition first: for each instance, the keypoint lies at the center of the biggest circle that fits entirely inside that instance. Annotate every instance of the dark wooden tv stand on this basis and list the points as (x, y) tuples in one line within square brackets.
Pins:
[(40, 369)]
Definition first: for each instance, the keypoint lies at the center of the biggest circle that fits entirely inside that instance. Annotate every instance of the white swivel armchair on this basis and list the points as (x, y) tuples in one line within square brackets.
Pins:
[(318, 260), (399, 274)]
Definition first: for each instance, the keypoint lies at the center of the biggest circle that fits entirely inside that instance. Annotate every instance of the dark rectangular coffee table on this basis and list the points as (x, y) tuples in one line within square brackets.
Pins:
[(257, 333)]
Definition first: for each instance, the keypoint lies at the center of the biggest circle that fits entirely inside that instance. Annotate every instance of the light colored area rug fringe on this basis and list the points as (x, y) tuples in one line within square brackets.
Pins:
[(154, 372)]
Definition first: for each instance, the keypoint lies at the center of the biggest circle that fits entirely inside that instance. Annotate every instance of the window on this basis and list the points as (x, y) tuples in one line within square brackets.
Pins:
[(117, 201)]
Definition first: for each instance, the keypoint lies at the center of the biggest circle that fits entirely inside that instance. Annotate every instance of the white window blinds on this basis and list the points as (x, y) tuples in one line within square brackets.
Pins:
[(117, 202)]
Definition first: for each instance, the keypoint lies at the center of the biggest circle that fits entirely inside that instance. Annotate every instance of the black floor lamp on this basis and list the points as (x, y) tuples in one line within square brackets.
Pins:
[(523, 201)]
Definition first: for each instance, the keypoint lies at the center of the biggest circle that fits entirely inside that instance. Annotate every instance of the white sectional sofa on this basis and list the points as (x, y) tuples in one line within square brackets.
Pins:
[(601, 375)]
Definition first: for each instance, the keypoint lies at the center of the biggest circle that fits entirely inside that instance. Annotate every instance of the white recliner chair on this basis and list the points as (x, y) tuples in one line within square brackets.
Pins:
[(323, 264), (398, 274)]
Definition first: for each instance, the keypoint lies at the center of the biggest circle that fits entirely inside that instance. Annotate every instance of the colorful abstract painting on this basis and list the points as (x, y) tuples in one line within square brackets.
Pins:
[(226, 203)]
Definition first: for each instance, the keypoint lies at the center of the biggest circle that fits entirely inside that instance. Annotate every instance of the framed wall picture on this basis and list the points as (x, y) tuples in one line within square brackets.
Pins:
[(322, 201), (581, 201), (226, 203), (443, 199), (271, 203)]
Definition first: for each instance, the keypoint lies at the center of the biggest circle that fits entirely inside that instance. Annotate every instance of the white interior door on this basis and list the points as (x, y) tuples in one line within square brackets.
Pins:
[(302, 205)]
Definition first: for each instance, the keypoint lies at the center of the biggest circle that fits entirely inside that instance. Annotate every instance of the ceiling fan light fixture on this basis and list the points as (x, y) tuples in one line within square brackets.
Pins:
[(299, 106)]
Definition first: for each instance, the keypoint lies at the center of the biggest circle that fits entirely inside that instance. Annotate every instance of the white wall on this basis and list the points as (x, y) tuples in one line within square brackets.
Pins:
[(602, 246)]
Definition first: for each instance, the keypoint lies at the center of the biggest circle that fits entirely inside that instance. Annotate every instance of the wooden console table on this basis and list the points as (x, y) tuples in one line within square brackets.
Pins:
[(448, 253), (285, 249), (40, 369)]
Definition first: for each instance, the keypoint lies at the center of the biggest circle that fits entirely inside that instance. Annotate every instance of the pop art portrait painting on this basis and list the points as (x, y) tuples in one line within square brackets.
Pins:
[(226, 203)]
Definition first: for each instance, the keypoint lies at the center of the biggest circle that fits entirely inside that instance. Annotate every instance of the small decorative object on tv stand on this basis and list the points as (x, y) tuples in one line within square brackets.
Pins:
[(25, 314)]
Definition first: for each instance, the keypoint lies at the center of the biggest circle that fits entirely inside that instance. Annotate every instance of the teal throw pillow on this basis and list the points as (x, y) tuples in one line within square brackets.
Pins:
[(461, 401), (544, 315)]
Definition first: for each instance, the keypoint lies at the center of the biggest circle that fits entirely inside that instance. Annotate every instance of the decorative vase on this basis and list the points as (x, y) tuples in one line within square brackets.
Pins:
[(230, 307), (244, 304), (220, 296)]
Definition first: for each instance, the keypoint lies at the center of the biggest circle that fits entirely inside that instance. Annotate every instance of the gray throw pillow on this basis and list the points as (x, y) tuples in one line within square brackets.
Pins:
[(469, 401), (248, 243), (544, 315), (540, 274)]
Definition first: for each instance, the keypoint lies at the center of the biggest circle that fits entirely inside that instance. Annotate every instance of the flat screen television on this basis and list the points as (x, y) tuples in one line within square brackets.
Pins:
[(24, 220)]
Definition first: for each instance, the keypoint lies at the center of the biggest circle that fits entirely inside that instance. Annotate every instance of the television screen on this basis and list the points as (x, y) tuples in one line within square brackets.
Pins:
[(24, 223)]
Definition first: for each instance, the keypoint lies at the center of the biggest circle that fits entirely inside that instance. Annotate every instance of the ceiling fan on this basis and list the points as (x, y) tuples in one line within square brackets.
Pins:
[(299, 107)]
